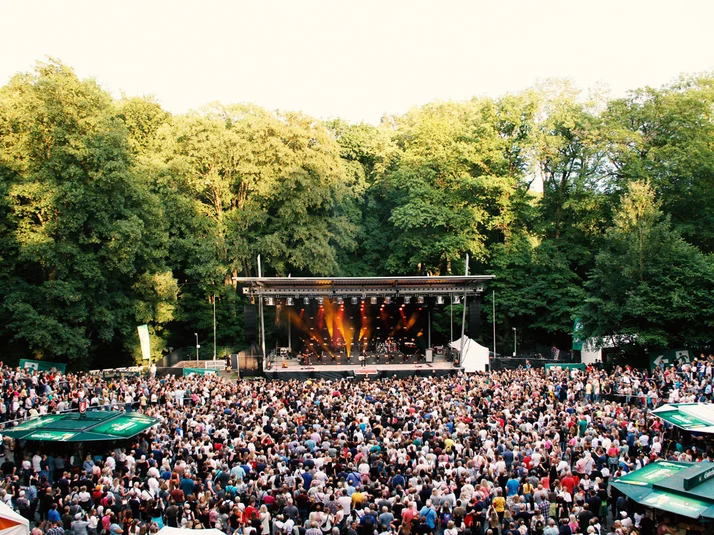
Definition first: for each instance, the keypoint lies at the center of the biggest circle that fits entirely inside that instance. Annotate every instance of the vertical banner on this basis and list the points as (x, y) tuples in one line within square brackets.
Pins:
[(577, 335), (145, 341)]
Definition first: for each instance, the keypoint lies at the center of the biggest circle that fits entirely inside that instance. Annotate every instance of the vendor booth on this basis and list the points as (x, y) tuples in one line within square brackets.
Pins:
[(683, 490), (12, 523)]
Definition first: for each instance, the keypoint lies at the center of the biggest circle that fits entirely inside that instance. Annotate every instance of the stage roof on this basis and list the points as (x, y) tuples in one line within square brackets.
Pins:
[(343, 286), (71, 427)]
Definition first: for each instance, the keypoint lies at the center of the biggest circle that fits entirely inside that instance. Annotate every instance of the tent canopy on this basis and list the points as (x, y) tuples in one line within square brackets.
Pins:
[(11, 523), (683, 488), (72, 427), (696, 417), (474, 356)]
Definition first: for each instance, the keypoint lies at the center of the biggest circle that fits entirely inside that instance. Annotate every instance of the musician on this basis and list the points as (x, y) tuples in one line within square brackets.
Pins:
[(363, 359)]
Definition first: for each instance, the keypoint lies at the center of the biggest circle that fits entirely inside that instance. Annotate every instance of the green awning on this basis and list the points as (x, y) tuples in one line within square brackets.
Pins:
[(695, 417), (664, 485), (73, 427)]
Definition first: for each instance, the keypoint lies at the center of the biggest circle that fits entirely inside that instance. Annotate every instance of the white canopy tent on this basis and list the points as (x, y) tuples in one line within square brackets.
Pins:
[(11, 523), (474, 357)]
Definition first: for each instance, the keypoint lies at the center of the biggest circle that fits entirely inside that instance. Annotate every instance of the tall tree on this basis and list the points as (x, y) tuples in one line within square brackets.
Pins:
[(649, 287), (85, 233)]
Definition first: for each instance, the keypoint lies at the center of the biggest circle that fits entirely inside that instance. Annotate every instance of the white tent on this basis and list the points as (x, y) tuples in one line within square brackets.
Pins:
[(474, 357), (166, 530), (11, 523)]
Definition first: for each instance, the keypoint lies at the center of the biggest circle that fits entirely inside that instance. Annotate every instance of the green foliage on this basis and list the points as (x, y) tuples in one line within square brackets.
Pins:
[(115, 213), (649, 288)]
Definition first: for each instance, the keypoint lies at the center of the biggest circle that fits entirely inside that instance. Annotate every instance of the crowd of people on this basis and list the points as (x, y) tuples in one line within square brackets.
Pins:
[(514, 452)]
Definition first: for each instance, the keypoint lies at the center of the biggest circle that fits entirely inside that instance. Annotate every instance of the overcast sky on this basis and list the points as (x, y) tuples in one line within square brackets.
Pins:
[(355, 59)]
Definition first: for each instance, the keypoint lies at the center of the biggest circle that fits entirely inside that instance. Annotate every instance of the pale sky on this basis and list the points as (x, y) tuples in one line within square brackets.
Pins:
[(355, 59)]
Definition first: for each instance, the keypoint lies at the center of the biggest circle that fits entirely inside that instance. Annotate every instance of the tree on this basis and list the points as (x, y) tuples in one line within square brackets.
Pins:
[(649, 287), (84, 233)]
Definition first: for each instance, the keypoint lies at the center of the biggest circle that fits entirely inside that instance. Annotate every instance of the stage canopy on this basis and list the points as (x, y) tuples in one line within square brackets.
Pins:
[(695, 417), (71, 427), (362, 286)]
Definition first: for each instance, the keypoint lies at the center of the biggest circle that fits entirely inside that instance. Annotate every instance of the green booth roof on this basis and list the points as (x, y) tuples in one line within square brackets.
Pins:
[(686, 489), (73, 427), (696, 417)]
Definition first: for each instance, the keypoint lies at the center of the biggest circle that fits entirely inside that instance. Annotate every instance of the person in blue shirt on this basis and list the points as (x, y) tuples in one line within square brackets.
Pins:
[(53, 514), (512, 485), (427, 512)]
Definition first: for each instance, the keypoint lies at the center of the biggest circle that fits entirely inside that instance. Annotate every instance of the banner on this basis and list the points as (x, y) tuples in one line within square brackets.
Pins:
[(42, 365), (145, 341), (667, 357), (198, 371), (566, 366), (577, 335)]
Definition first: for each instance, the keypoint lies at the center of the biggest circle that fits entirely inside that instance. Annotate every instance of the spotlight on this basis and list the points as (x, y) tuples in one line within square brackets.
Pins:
[(420, 299), (354, 300), (439, 299), (320, 301), (373, 300), (388, 300), (289, 302), (269, 301), (407, 300), (305, 301), (340, 300), (457, 300)]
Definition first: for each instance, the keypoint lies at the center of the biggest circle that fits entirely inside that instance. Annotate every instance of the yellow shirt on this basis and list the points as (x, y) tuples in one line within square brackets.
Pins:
[(499, 504)]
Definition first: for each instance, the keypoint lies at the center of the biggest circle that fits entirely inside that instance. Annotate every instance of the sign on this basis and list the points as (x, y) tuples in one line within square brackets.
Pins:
[(124, 426), (577, 335), (145, 341), (55, 436), (198, 371), (37, 422), (682, 419), (566, 366), (667, 357), (83, 406), (653, 473), (693, 481), (681, 505), (42, 365)]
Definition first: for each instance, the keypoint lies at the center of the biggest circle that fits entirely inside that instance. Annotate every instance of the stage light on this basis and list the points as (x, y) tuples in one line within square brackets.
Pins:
[(420, 299), (439, 299), (354, 300), (320, 301), (340, 300), (456, 300), (306, 301), (407, 300), (269, 301), (388, 300), (373, 300), (289, 302)]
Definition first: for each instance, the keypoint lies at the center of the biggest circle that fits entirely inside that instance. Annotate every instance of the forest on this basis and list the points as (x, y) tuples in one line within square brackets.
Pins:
[(116, 213)]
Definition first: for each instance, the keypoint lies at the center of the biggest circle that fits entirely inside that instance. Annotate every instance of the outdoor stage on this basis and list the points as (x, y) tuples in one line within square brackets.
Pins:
[(356, 372)]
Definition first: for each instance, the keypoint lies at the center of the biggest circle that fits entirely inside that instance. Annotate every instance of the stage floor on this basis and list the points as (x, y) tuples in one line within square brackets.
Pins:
[(355, 371)]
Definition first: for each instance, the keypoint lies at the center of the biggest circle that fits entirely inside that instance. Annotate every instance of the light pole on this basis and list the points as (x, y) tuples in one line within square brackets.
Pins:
[(214, 326), (515, 347), (197, 346)]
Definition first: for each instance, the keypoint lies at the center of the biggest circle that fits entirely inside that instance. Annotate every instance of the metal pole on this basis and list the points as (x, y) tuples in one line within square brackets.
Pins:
[(452, 319), (515, 338), (197, 346), (290, 333), (214, 326), (428, 339), (493, 320), (262, 319), (463, 317)]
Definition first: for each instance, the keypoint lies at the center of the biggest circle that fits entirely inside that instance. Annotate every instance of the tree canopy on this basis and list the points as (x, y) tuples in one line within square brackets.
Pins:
[(114, 212)]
